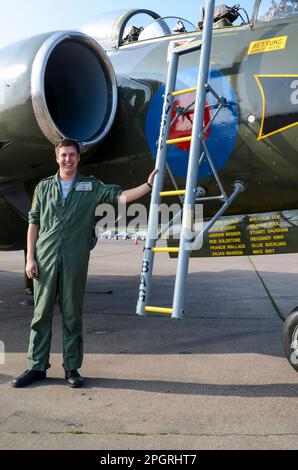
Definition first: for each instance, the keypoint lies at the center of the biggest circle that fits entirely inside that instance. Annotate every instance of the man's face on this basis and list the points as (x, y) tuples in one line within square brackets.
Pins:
[(68, 159)]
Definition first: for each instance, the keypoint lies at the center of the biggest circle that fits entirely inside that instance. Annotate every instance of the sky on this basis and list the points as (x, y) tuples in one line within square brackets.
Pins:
[(24, 18)]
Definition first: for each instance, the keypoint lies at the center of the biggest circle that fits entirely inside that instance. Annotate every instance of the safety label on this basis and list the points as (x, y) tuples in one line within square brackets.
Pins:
[(268, 45)]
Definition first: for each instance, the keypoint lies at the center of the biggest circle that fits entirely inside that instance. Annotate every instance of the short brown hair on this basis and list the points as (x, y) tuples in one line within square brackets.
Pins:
[(68, 143)]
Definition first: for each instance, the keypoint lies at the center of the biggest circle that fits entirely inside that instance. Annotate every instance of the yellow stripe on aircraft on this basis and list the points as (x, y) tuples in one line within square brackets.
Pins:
[(257, 78)]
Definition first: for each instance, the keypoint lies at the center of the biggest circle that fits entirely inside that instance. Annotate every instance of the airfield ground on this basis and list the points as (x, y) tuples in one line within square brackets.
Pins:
[(217, 379)]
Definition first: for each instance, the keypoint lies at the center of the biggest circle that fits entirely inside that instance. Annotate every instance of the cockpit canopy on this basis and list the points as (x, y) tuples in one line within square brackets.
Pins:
[(271, 10), (110, 28), (166, 26), (116, 28)]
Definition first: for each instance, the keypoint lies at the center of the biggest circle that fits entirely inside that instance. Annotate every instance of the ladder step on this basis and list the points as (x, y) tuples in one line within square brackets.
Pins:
[(166, 249), (168, 311), (183, 92), (179, 140), (178, 192)]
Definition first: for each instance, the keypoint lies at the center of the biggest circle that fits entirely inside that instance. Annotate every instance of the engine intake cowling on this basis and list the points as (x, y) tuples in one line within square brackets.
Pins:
[(52, 86), (74, 91)]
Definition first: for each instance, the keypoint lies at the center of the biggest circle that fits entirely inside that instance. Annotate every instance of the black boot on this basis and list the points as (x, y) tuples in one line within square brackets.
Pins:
[(28, 377), (73, 378)]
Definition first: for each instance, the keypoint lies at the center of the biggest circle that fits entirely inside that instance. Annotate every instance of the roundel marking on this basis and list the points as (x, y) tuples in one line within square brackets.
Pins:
[(221, 135), (182, 126)]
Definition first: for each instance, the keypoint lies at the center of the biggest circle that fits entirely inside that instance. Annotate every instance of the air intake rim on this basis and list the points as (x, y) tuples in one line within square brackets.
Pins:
[(38, 94)]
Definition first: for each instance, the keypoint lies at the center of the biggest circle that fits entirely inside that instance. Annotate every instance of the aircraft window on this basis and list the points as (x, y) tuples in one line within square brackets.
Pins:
[(166, 26), (135, 26), (271, 10), (226, 16), (111, 28)]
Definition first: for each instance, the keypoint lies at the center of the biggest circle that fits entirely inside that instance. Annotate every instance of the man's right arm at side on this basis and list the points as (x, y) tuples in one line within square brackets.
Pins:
[(32, 235), (31, 265)]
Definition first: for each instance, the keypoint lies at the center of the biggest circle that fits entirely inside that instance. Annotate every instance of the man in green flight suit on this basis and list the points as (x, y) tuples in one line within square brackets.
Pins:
[(58, 248)]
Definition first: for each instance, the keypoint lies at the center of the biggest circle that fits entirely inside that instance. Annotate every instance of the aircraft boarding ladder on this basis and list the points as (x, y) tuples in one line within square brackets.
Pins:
[(192, 194)]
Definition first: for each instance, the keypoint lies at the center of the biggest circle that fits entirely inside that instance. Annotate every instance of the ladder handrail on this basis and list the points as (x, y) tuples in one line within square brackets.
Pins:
[(193, 163), (191, 194)]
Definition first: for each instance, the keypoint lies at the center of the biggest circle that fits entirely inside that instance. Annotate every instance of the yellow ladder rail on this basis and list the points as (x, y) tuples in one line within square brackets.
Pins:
[(178, 192), (168, 311), (165, 249), (184, 92), (179, 140)]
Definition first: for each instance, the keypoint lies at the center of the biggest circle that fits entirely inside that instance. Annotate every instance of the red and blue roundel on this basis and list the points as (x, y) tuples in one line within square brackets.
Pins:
[(221, 135)]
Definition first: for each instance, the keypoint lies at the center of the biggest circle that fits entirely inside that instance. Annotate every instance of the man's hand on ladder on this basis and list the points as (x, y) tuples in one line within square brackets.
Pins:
[(151, 177)]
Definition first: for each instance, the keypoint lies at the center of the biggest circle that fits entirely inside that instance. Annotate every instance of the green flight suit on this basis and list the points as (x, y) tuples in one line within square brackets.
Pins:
[(62, 254)]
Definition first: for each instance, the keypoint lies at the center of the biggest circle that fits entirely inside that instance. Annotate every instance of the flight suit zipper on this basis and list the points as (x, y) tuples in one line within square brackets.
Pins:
[(62, 216)]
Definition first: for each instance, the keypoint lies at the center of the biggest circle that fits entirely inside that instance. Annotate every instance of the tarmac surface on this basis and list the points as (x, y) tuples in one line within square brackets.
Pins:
[(217, 379)]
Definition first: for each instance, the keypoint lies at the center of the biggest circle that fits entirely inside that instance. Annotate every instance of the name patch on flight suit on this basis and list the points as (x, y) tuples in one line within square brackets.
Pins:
[(84, 186)]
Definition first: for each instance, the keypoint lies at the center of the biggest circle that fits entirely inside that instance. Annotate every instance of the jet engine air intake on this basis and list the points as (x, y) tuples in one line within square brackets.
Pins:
[(74, 89), (54, 85)]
